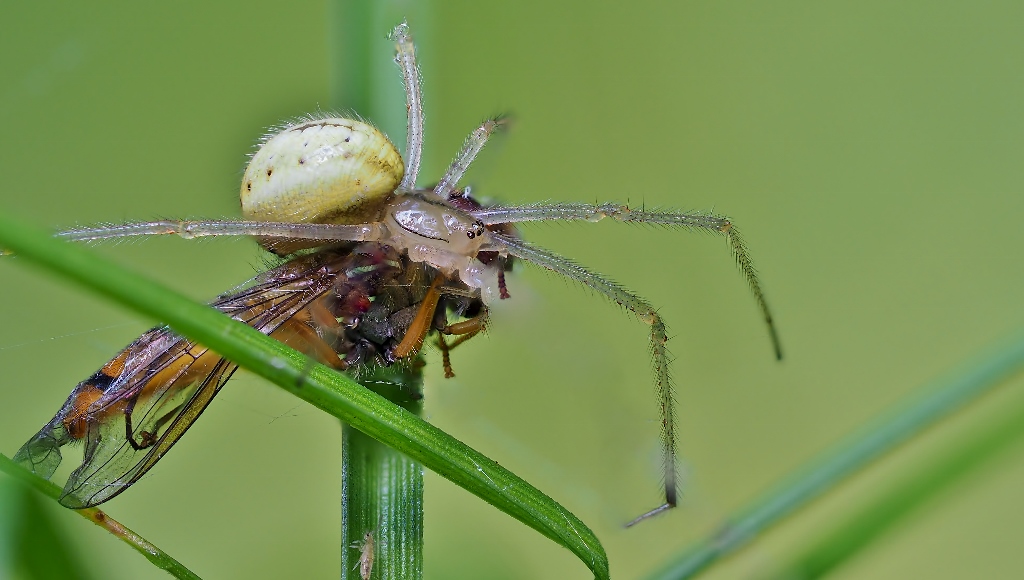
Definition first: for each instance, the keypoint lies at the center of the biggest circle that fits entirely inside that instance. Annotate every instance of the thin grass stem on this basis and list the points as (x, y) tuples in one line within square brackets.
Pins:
[(381, 488), (935, 402), (870, 519), (158, 557)]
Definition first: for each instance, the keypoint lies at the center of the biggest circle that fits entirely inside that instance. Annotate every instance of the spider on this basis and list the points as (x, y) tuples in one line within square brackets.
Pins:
[(373, 264)]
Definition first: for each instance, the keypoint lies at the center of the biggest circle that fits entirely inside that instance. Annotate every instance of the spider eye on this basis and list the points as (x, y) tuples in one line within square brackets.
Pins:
[(477, 229)]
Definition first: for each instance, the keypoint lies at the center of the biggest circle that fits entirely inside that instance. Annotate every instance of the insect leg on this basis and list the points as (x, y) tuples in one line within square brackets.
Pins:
[(473, 145), (327, 326), (405, 57), (413, 339), (659, 350), (446, 357), (301, 337), (446, 346), (465, 330), (470, 326), (147, 439), (594, 213)]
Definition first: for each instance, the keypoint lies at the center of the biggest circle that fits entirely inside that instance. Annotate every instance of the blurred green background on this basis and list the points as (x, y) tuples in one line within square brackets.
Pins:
[(870, 152)]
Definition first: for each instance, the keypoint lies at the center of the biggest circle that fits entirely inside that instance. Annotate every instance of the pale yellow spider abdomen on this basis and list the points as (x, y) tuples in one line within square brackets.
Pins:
[(329, 170)]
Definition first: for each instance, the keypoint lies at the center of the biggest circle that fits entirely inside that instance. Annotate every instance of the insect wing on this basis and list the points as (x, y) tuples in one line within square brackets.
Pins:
[(41, 454), (132, 411), (127, 436)]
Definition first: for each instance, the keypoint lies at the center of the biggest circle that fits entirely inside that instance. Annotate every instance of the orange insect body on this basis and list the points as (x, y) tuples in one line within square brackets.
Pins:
[(77, 421)]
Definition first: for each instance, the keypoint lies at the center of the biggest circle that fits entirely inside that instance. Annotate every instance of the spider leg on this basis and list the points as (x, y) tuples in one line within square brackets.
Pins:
[(622, 213), (369, 232), (470, 149), (593, 213), (502, 288), (659, 350), (405, 56)]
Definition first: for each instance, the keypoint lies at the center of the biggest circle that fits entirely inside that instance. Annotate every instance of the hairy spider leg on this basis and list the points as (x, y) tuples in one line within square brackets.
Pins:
[(413, 339), (370, 232), (405, 57), (470, 149), (622, 213), (659, 337)]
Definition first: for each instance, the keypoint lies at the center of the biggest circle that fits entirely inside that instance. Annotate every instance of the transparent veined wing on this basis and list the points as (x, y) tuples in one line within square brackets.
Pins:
[(131, 411)]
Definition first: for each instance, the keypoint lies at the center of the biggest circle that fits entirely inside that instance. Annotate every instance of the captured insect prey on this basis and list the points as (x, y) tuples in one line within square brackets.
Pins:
[(370, 266)]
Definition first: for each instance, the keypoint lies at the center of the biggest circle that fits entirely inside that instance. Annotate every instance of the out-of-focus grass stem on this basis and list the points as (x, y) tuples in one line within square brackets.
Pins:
[(936, 402)]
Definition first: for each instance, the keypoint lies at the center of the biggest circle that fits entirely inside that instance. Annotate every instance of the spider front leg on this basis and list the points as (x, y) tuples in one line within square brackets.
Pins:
[(470, 149), (405, 57), (659, 349), (622, 213), (369, 232)]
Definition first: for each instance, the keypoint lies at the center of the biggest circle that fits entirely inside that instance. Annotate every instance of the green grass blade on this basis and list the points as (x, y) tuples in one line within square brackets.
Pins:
[(158, 557), (31, 546), (316, 384), (936, 402), (872, 518)]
